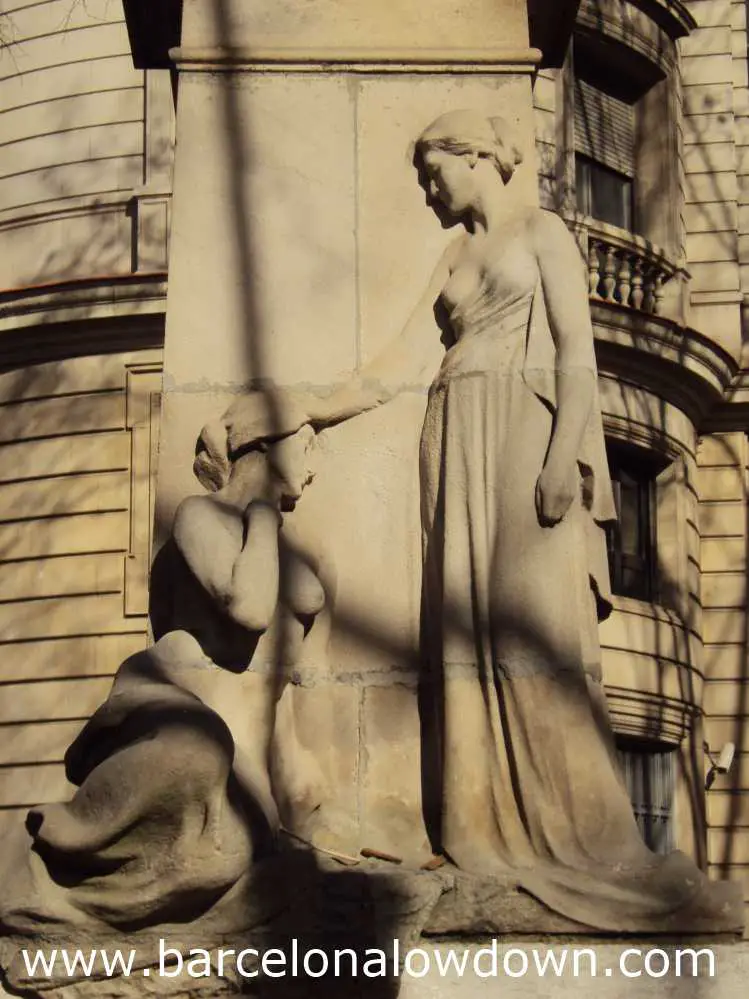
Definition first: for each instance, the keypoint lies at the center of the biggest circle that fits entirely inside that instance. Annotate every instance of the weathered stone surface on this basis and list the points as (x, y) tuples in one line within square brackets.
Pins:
[(300, 901), (480, 906), (477, 906), (357, 26), (296, 896), (392, 819)]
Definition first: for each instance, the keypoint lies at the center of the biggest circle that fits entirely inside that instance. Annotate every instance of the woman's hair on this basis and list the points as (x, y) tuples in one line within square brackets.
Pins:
[(254, 421), (465, 132)]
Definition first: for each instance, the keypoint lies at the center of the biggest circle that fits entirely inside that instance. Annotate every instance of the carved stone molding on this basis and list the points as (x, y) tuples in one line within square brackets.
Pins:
[(733, 412), (156, 27), (363, 60), (651, 671), (648, 30), (676, 362), (87, 298), (649, 716), (78, 336), (672, 15)]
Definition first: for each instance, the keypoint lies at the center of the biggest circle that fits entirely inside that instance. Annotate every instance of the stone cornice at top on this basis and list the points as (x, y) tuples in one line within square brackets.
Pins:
[(369, 59), (161, 25), (672, 15), (647, 30)]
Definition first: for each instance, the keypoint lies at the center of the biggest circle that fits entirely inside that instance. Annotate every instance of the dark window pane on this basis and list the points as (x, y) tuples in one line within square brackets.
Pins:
[(603, 193), (582, 186), (631, 541), (649, 777), (630, 517)]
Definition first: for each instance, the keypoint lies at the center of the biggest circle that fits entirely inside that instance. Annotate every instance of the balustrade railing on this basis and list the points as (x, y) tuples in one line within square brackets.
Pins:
[(622, 267)]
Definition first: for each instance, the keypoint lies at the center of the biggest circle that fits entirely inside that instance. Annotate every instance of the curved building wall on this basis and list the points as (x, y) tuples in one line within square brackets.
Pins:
[(674, 384), (72, 141), (79, 440), (85, 159)]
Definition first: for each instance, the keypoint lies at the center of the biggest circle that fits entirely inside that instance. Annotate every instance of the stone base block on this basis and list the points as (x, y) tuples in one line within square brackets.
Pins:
[(367, 916)]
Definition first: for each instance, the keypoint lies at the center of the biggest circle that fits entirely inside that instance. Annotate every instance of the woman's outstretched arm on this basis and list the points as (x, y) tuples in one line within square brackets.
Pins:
[(401, 363), (566, 298)]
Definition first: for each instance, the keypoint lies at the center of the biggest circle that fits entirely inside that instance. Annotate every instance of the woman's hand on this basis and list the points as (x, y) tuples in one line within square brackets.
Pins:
[(320, 410), (556, 488)]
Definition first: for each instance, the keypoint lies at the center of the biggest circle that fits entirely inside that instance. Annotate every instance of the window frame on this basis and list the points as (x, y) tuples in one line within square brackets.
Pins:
[(586, 170), (646, 768), (642, 469), (652, 90)]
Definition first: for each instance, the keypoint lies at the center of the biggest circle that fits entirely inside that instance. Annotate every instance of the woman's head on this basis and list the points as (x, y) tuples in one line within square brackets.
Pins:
[(472, 134), (448, 151), (271, 423)]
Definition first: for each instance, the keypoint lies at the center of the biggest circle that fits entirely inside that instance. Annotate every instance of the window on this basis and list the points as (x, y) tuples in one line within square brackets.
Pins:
[(631, 540), (604, 156), (621, 125), (603, 194), (649, 776)]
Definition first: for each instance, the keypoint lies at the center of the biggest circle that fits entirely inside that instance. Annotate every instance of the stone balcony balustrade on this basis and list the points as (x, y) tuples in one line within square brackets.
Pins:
[(623, 268)]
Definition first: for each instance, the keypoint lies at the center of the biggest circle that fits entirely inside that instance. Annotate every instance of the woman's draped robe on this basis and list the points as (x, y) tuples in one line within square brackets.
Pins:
[(523, 759)]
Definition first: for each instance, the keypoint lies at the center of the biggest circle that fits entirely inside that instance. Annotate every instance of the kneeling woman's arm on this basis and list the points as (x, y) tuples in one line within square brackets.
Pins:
[(234, 556)]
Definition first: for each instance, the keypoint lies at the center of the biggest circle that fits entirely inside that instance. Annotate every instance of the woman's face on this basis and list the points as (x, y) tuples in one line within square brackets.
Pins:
[(450, 179), (289, 463)]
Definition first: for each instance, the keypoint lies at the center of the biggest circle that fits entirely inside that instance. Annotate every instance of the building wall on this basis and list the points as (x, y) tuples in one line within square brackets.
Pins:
[(75, 514), (546, 94), (72, 141), (85, 137), (723, 527), (676, 668), (85, 155), (715, 106)]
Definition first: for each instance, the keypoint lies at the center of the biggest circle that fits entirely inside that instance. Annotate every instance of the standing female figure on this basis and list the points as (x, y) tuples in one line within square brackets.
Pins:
[(520, 772)]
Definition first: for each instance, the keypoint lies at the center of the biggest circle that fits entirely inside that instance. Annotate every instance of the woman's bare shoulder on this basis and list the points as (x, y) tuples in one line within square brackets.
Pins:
[(548, 229)]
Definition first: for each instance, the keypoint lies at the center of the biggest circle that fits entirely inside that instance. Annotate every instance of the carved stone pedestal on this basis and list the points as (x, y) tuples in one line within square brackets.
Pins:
[(364, 917)]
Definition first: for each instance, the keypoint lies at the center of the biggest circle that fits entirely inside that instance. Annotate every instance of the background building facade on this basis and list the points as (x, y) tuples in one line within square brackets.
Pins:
[(640, 138), (641, 132), (86, 148)]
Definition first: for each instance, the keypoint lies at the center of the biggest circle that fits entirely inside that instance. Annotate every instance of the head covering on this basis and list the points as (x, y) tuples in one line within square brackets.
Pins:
[(463, 132), (261, 416)]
